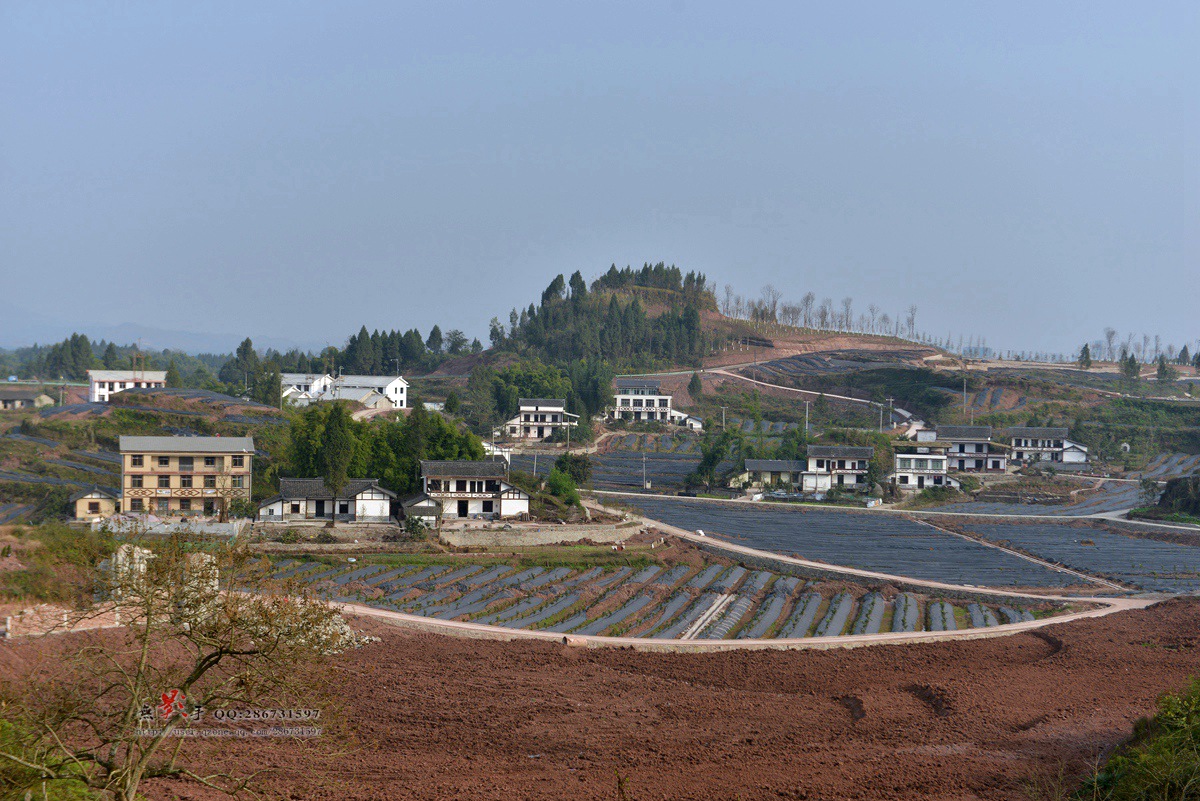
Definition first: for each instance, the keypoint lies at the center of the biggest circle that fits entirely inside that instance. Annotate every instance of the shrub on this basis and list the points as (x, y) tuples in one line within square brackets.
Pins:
[(325, 538), (562, 487)]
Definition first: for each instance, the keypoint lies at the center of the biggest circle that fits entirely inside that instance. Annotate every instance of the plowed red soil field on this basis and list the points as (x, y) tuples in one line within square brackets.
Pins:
[(436, 717)]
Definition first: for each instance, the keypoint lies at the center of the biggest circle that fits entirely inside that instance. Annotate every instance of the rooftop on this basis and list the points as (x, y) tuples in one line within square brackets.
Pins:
[(639, 383), (560, 403), (105, 492), (964, 432), (1034, 432), (187, 444), (374, 381), (20, 393), (127, 375), (776, 465), (462, 468), (840, 452), (315, 488)]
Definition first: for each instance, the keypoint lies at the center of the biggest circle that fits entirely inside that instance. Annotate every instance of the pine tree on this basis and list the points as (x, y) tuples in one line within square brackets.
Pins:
[(434, 342), (337, 449), (695, 387), (1085, 357), (174, 379)]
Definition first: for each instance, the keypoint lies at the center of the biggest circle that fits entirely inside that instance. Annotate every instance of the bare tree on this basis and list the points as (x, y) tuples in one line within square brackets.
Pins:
[(885, 323), (847, 313), (912, 321), (770, 304), (873, 311), (107, 713), (806, 308), (727, 302), (1110, 337)]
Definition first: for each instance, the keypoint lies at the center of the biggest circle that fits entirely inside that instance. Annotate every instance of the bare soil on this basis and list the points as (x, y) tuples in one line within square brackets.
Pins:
[(437, 717)]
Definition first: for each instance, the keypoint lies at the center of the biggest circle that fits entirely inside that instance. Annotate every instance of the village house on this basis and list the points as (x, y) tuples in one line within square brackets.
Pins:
[(836, 467), (468, 489), (539, 418), (96, 503), (920, 465), (825, 467), (771, 473), (185, 476), (23, 398), (372, 391), (1033, 444), (362, 500), (103, 384), (969, 448), (642, 400)]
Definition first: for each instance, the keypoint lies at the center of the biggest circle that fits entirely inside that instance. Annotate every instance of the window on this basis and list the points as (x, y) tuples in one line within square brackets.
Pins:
[(135, 505), (186, 464), (239, 482), (662, 402), (295, 508), (185, 481), (210, 507), (343, 508), (210, 482), (137, 460), (487, 507), (460, 485), (185, 504), (239, 461), (210, 461), (163, 505), (903, 479), (135, 482), (94, 507), (164, 482), (164, 461)]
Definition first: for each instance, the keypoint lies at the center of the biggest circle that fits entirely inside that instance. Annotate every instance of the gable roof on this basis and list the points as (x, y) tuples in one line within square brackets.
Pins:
[(187, 444), (964, 432), (127, 375), (375, 381), (462, 468), (840, 452), (1035, 432), (555, 402), (358, 394), (96, 488), (302, 378), (776, 465), (639, 383), (315, 488), (21, 393)]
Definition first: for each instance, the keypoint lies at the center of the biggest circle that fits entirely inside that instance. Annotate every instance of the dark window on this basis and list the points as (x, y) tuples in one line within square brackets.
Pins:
[(135, 504), (239, 461), (186, 464), (460, 485), (295, 508), (487, 507), (210, 482), (135, 482), (343, 508), (164, 482), (137, 460), (185, 504), (210, 461), (94, 507), (164, 461), (185, 481)]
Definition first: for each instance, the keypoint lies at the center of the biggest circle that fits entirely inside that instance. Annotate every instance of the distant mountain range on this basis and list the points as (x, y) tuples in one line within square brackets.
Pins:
[(13, 336)]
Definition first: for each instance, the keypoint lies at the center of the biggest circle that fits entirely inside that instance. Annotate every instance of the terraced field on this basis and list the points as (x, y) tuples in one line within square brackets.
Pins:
[(1111, 497), (871, 541), (711, 601), (1170, 465)]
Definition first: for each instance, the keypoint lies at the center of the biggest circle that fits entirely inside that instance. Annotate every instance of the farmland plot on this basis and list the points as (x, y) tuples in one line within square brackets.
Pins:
[(887, 544)]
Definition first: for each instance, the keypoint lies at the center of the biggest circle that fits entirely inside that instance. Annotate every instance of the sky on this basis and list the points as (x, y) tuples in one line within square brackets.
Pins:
[(1025, 172)]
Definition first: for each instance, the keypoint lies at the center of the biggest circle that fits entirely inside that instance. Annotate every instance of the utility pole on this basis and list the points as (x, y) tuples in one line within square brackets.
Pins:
[(889, 400), (723, 408), (806, 420), (643, 470)]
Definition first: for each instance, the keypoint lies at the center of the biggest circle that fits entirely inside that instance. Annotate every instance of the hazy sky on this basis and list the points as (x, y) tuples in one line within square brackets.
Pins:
[(290, 170)]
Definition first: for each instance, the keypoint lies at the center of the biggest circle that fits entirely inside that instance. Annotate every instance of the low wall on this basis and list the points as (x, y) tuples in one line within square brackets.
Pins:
[(542, 535)]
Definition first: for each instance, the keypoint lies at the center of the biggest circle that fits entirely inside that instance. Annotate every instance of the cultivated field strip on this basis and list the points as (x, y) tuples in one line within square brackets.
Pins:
[(709, 601)]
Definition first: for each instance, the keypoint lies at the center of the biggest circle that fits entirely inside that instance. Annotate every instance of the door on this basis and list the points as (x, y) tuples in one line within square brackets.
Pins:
[(462, 508), (920, 482), (320, 508), (541, 432)]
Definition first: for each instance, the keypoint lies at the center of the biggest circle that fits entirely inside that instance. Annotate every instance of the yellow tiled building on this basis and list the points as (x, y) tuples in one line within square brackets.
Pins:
[(182, 476)]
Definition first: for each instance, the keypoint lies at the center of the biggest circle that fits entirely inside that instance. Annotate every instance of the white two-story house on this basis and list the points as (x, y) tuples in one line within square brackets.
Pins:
[(466, 489), (539, 418), (642, 400), (103, 384), (1033, 444), (840, 466), (970, 448), (373, 391), (920, 465)]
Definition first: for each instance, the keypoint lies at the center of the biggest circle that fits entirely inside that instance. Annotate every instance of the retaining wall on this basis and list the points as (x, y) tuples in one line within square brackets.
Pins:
[(547, 535)]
